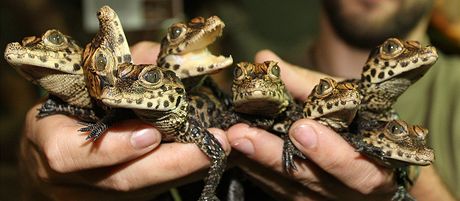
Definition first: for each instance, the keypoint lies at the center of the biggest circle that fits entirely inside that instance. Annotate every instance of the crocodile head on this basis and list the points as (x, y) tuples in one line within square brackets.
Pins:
[(397, 144), (154, 95), (398, 59), (258, 89), (106, 51), (52, 53), (332, 103), (52, 61), (184, 48), (391, 68)]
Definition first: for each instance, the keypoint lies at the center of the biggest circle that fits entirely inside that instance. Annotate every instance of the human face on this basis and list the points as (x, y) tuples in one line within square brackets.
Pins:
[(366, 23)]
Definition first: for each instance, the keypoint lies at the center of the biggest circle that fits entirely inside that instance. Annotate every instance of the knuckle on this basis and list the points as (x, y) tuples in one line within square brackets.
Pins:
[(120, 184), (371, 183), (55, 158), (337, 164)]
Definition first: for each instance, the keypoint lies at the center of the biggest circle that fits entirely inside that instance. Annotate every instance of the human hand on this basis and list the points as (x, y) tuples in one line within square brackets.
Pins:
[(126, 163), (333, 171)]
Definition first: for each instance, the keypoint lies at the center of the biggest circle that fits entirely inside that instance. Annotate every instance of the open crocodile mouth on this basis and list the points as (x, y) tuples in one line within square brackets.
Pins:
[(195, 58), (198, 62), (205, 36)]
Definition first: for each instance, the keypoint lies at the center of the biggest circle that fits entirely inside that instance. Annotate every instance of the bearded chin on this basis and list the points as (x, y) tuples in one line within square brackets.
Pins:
[(364, 34)]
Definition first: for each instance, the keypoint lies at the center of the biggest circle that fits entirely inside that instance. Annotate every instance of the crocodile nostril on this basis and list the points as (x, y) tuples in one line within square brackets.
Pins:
[(415, 44), (28, 40)]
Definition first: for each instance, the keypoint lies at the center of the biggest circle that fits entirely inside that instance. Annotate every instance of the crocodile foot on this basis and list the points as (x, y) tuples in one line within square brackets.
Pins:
[(289, 151), (402, 195), (52, 106), (212, 198), (98, 128), (95, 129), (403, 182)]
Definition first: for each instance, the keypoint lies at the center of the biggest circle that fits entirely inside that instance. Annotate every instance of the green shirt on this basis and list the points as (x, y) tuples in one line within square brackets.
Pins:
[(434, 102)]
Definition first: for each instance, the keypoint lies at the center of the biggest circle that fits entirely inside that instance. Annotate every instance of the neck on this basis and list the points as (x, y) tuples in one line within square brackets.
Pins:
[(335, 57)]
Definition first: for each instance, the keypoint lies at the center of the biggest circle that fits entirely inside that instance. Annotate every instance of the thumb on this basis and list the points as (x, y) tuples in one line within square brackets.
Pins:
[(298, 80)]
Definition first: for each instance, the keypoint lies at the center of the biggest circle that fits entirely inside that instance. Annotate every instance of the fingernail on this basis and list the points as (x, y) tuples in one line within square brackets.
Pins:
[(306, 136), (244, 145), (144, 138)]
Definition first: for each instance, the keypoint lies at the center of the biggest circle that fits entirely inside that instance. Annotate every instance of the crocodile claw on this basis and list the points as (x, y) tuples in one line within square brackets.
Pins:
[(402, 195), (95, 129), (48, 108), (212, 198), (289, 151)]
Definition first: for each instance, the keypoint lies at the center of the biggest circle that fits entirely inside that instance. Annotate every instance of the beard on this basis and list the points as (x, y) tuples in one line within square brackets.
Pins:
[(363, 32)]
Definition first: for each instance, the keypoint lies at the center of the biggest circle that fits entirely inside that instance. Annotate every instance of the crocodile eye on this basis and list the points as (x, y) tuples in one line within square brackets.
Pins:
[(392, 47), (323, 88), (153, 76), (53, 38), (238, 73), (275, 70), (100, 61), (396, 129), (175, 32), (56, 38)]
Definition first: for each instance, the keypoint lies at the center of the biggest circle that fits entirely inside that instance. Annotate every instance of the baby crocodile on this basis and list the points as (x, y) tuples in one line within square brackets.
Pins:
[(184, 50), (333, 104), (158, 97), (390, 69), (101, 58), (395, 144), (257, 89), (53, 61)]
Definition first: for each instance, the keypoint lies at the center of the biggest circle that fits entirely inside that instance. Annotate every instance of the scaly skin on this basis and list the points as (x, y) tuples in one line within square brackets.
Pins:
[(390, 69), (333, 104), (184, 48), (104, 53), (53, 61), (258, 89), (101, 58), (158, 97), (395, 144)]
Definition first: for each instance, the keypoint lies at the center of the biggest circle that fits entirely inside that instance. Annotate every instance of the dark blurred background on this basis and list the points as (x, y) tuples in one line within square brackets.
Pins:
[(286, 28)]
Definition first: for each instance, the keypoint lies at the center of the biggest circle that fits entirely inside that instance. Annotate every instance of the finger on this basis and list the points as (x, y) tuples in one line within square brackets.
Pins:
[(266, 149), (299, 81), (170, 164), (335, 156), (257, 144), (66, 149), (145, 52)]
